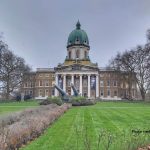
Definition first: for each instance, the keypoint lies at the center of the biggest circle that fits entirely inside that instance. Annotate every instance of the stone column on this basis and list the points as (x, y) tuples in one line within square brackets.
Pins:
[(89, 87), (56, 82), (64, 82), (72, 81), (81, 85), (97, 85)]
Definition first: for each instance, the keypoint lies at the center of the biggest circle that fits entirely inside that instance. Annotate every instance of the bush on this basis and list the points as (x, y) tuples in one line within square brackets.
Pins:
[(18, 98), (82, 101), (27, 125), (52, 100), (55, 100), (45, 102), (27, 97), (78, 98)]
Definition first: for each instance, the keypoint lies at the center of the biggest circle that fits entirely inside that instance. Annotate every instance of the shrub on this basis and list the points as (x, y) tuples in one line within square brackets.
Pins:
[(18, 98), (27, 97), (10, 119), (52, 100), (45, 102), (78, 98), (28, 124), (82, 101)]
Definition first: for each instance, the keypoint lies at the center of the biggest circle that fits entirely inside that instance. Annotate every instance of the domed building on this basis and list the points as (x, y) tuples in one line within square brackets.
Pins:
[(78, 70)]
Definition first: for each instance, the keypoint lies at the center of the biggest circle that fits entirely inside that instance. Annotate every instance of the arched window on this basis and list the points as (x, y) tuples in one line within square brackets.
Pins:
[(69, 55), (77, 53), (85, 54)]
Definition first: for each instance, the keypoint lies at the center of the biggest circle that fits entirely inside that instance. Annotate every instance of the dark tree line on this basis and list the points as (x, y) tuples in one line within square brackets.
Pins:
[(135, 62), (12, 69)]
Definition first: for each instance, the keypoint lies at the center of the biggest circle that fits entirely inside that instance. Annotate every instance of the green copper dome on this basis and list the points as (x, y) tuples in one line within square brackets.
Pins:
[(78, 37)]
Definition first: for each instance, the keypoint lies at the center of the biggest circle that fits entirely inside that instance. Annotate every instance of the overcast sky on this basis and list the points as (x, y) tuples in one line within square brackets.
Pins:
[(37, 30)]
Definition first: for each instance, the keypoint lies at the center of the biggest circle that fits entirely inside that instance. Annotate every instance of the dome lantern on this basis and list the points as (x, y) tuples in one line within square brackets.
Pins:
[(78, 25)]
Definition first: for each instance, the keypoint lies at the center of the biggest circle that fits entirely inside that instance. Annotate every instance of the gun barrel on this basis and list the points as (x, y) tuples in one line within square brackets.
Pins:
[(63, 93), (74, 90)]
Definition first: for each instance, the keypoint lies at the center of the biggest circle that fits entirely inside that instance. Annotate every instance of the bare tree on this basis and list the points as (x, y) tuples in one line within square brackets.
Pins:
[(148, 36), (125, 64), (12, 69), (142, 69), (3, 47), (136, 63)]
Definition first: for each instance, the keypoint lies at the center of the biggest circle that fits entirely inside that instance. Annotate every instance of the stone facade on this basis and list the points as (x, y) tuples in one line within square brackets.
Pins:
[(39, 83), (87, 77)]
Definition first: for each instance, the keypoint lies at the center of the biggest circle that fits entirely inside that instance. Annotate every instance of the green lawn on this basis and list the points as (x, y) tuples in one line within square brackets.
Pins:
[(110, 123), (15, 106)]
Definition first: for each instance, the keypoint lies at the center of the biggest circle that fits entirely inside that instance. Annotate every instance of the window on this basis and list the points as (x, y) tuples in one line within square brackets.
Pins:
[(46, 92), (53, 91), (26, 84), (31, 84), (101, 83), (26, 92), (108, 83), (102, 93), (40, 83), (77, 53), (40, 93), (31, 92), (115, 93), (115, 83), (46, 83), (121, 85), (85, 54), (69, 55), (108, 92)]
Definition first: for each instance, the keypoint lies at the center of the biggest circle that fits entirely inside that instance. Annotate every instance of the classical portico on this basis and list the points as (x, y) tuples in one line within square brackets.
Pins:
[(81, 80)]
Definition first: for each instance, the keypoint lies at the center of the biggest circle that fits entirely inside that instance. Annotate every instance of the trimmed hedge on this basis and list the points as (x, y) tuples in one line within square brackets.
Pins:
[(19, 128), (52, 100), (78, 98), (82, 101)]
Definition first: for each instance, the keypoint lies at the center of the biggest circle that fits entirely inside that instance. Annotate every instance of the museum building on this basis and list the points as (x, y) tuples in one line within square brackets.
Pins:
[(88, 78)]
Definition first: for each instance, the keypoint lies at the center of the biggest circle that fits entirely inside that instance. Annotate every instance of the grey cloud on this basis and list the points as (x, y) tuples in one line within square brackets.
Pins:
[(38, 30)]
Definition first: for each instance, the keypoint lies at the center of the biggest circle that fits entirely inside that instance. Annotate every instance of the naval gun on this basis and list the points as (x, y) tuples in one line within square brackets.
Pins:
[(64, 95), (76, 93)]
